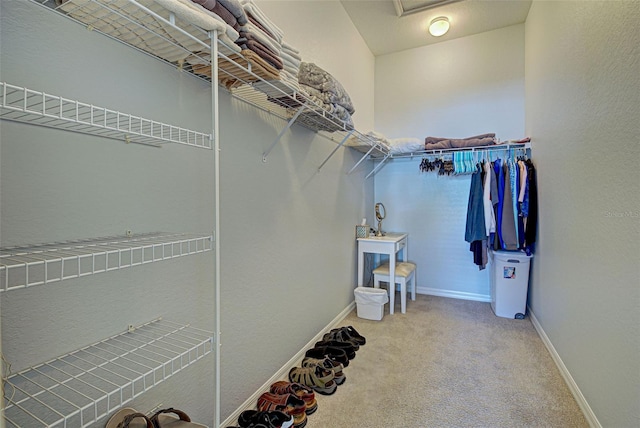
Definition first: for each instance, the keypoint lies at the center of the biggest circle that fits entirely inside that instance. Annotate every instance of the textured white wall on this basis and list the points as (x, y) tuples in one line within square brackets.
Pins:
[(456, 89), (583, 110)]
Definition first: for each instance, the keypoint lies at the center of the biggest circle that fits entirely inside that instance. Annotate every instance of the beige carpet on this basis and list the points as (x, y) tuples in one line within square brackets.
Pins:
[(448, 363)]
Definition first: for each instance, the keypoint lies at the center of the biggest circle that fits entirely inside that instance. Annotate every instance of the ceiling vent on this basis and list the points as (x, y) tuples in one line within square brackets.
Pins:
[(408, 7)]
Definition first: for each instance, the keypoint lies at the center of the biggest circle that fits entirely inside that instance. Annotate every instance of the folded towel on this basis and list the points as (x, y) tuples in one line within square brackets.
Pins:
[(236, 9), (264, 53), (261, 36), (207, 4), (250, 7)]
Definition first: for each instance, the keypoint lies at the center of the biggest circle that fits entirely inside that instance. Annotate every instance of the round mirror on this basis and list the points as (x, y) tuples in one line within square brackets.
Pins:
[(380, 212), (380, 215)]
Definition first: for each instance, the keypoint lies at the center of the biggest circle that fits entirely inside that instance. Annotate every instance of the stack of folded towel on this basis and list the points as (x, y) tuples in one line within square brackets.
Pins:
[(260, 35), (438, 143)]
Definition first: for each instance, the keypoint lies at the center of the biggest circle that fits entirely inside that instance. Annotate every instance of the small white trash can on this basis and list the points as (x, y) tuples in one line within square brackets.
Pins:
[(370, 302), (509, 279)]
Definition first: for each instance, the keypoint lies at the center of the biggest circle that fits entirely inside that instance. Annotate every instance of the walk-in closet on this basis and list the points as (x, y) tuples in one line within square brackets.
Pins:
[(179, 205)]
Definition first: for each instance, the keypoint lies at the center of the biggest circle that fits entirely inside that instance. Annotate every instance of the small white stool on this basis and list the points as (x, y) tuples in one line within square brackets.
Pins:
[(405, 273)]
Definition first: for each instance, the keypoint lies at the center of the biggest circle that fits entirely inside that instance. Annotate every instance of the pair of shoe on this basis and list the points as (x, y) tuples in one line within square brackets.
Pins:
[(346, 334), (301, 391), (264, 419), (316, 377), (327, 364), (333, 353), (131, 418), (288, 403)]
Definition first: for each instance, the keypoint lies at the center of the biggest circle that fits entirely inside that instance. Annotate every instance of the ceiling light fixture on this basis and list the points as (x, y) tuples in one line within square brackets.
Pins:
[(439, 26)]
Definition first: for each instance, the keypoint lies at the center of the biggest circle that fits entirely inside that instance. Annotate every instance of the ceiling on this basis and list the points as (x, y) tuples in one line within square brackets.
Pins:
[(394, 25)]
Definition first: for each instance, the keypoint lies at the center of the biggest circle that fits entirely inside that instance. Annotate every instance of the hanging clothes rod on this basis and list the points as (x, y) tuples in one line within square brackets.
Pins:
[(496, 147)]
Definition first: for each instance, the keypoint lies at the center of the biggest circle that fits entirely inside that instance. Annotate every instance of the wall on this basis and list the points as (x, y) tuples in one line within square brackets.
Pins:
[(287, 250), (582, 104), (456, 89)]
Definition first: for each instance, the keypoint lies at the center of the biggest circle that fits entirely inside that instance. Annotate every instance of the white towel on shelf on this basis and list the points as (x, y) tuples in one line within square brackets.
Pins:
[(258, 15)]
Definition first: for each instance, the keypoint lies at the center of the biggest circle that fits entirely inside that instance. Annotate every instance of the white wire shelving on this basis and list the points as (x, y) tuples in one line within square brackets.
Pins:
[(39, 108), (78, 388), (146, 26), (22, 267)]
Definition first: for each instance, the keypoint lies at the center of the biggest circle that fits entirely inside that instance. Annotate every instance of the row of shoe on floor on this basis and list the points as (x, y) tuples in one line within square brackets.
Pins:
[(288, 403)]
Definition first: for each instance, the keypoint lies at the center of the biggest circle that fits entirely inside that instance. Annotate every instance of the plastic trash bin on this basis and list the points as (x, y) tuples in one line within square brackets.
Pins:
[(370, 302), (509, 279)]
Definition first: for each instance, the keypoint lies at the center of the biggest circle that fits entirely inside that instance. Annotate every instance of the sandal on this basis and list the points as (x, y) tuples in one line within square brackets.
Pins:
[(348, 348), (269, 419), (125, 418), (160, 420), (354, 334), (302, 391), (287, 403), (327, 364), (335, 354), (341, 336), (319, 379)]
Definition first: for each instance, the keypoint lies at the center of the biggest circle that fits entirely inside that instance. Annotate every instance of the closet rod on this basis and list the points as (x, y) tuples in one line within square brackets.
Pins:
[(496, 147)]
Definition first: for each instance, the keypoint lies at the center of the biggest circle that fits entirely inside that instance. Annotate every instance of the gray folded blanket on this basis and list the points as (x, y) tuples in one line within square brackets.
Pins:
[(438, 143), (333, 92)]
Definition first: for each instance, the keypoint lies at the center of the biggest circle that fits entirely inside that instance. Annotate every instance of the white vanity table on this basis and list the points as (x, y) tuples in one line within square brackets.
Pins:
[(390, 244)]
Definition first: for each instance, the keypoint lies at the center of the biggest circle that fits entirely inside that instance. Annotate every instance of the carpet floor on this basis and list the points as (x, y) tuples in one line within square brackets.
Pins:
[(448, 363)]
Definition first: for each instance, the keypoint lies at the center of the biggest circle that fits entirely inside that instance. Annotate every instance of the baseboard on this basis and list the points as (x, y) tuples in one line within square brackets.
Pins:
[(250, 403), (573, 387), (454, 294)]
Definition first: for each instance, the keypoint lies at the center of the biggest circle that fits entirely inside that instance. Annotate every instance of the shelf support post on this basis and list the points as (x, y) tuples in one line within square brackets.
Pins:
[(378, 166), (289, 124), (363, 158), (335, 149)]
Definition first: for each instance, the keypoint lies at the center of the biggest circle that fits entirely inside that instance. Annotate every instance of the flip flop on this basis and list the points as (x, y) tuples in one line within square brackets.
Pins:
[(160, 420), (129, 418)]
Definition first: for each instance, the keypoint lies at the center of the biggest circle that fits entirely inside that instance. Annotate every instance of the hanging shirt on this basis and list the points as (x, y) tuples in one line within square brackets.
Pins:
[(509, 237), (475, 230), (489, 216), (497, 165)]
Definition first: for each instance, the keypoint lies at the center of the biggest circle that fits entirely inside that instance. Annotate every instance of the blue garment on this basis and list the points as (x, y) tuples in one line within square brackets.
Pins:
[(497, 165), (475, 230), (514, 176)]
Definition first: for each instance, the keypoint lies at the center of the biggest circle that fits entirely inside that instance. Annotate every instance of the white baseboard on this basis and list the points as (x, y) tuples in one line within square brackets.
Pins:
[(250, 403), (573, 387), (454, 294)]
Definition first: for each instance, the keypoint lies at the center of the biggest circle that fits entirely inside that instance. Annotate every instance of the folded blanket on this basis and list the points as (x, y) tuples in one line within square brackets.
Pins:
[(315, 77), (434, 143), (405, 145), (252, 9), (288, 59), (429, 140), (236, 9)]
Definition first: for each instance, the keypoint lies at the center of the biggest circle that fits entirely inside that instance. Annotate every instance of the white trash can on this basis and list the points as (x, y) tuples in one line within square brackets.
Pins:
[(370, 302), (509, 279)]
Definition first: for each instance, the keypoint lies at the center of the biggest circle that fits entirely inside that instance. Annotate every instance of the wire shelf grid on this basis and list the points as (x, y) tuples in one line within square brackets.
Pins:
[(22, 267), (25, 105), (79, 388)]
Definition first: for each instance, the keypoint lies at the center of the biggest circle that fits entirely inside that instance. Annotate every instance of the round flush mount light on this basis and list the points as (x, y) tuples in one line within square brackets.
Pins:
[(439, 26)]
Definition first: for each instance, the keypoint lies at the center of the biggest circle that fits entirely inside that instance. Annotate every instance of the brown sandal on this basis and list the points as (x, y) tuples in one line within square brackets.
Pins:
[(124, 418), (159, 420)]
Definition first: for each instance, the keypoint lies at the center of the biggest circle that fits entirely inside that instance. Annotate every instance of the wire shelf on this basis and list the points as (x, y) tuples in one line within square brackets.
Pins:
[(23, 267), (25, 105), (77, 389)]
